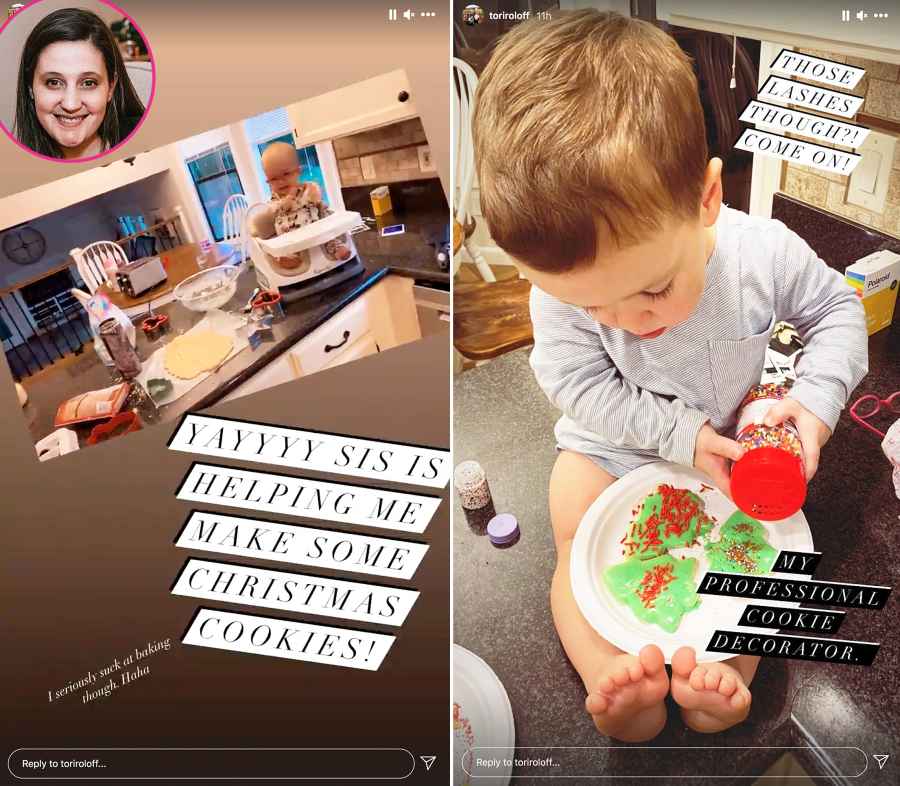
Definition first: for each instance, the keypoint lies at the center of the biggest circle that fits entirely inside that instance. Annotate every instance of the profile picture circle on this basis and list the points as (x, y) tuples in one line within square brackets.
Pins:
[(473, 14), (81, 78)]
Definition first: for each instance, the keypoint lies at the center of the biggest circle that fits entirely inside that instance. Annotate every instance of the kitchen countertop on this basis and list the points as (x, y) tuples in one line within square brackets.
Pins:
[(501, 597), (83, 373), (422, 208)]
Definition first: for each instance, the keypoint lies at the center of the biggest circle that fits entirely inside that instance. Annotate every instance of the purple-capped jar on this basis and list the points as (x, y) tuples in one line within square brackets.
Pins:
[(503, 530)]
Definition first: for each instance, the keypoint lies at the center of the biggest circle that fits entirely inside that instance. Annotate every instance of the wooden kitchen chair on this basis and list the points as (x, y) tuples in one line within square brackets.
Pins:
[(490, 319), (89, 261), (233, 216), (465, 83)]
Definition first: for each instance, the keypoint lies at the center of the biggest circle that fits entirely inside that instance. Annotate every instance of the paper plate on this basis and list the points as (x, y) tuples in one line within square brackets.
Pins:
[(597, 546), (482, 719)]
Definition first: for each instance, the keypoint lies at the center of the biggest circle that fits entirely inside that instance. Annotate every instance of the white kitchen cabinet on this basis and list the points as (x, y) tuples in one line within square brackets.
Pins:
[(381, 318), (277, 372), (801, 25), (44, 199), (361, 348), (327, 341), (358, 107)]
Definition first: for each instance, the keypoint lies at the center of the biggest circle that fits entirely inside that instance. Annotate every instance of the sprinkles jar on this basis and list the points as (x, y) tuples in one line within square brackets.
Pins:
[(768, 482), (474, 495)]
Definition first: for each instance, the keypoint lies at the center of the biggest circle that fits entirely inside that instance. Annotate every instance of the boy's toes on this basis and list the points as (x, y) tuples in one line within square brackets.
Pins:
[(683, 662), (712, 680), (713, 697), (740, 701), (625, 700), (606, 685), (697, 679), (652, 660), (727, 685), (596, 703), (621, 677)]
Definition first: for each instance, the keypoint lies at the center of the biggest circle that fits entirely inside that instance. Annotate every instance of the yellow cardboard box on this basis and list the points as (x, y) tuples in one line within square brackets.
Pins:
[(876, 279)]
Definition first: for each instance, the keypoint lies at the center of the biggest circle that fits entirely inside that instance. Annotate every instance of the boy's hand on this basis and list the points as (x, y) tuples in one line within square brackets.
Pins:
[(811, 428), (311, 191), (711, 455)]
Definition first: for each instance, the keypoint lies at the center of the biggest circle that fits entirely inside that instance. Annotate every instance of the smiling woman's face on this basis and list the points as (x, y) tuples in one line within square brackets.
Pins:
[(72, 91)]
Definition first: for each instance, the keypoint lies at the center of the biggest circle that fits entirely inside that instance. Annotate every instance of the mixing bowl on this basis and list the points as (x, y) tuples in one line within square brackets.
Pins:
[(208, 289)]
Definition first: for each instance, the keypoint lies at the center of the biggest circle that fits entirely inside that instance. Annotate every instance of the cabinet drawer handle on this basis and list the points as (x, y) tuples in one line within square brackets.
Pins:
[(330, 347)]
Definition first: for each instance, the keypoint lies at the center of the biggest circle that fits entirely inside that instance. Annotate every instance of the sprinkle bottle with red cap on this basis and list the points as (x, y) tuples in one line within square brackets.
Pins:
[(768, 482)]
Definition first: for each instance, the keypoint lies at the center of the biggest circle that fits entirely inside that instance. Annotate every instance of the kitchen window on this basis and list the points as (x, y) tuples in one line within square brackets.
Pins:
[(215, 178), (318, 161)]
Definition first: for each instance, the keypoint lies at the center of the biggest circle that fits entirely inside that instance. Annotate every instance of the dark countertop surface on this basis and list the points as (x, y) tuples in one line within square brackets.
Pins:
[(86, 372), (502, 613), (421, 206)]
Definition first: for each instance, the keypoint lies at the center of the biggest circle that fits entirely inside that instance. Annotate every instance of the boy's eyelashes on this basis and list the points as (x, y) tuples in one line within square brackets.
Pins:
[(653, 295), (661, 293)]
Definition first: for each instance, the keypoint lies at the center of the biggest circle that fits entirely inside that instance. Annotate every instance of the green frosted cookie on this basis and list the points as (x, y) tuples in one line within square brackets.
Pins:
[(659, 590), (669, 518), (742, 547)]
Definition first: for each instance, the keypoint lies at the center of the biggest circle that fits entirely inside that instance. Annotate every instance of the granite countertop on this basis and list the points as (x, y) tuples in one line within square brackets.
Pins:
[(501, 597), (422, 208), (88, 373)]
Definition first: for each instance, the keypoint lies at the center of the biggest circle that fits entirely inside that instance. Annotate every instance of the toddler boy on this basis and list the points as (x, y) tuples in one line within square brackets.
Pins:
[(652, 306)]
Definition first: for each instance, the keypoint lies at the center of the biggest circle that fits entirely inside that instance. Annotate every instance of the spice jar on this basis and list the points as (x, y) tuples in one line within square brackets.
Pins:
[(769, 481), (474, 495)]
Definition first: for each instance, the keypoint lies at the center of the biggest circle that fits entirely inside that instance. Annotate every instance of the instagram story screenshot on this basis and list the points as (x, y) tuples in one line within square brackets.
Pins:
[(676, 392), (225, 392)]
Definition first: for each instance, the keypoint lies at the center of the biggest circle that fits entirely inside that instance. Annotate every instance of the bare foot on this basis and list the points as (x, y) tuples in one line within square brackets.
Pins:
[(626, 698), (713, 696)]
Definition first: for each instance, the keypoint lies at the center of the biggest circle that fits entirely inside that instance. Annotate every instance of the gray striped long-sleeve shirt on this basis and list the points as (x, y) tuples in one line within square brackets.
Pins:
[(627, 401)]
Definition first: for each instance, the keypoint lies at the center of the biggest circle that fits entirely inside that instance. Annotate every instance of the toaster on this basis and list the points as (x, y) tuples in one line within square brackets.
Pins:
[(137, 277)]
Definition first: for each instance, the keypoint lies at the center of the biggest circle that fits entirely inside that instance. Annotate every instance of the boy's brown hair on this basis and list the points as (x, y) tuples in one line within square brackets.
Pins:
[(585, 124)]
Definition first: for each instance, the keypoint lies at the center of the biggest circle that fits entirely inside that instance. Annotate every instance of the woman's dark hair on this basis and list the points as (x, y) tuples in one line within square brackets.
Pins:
[(75, 24)]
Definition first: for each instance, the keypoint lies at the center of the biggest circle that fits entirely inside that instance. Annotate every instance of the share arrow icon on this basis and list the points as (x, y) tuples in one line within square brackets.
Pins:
[(881, 758), (428, 761)]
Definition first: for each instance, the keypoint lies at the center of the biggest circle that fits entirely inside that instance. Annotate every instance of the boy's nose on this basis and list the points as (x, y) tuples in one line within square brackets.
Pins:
[(605, 316)]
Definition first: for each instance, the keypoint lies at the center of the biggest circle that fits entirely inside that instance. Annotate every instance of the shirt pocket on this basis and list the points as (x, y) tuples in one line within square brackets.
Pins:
[(735, 366)]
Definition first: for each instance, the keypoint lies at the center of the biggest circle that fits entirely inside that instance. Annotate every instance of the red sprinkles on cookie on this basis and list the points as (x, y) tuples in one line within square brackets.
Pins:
[(680, 515), (653, 583)]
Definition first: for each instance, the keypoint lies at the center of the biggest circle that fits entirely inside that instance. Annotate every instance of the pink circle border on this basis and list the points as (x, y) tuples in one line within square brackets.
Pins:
[(134, 131)]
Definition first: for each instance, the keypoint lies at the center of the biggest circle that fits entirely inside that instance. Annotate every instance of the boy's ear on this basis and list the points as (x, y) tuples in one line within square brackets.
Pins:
[(711, 201)]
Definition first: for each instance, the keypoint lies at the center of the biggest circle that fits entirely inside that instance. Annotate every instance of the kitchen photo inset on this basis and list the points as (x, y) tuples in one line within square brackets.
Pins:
[(223, 264)]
